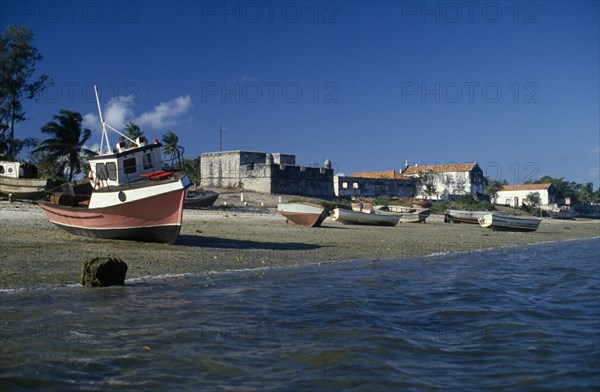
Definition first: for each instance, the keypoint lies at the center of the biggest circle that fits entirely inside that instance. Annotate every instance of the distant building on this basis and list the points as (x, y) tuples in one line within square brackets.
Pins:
[(514, 195), (265, 173), (389, 184), (448, 181)]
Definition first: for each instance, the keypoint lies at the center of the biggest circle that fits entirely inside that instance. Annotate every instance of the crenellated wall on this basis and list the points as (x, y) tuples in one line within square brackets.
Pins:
[(266, 173)]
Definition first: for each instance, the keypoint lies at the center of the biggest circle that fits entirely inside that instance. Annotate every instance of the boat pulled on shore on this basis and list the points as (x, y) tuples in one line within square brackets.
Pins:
[(129, 195), (503, 222), (19, 181), (349, 217), (303, 214)]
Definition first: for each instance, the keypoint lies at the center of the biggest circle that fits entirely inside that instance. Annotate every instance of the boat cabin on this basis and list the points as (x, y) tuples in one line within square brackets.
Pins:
[(126, 165), (17, 169)]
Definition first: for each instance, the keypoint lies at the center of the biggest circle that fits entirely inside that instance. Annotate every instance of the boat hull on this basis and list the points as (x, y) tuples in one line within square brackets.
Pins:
[(406, 217), (303, 214), (509, 223), (156, 218), (458, 216), (24, 188), (197, 199), (348, 217)]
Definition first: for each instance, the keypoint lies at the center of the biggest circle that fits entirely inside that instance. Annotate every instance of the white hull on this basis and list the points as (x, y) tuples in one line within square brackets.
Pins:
[(361, 218), (509, 223), (458, 216)]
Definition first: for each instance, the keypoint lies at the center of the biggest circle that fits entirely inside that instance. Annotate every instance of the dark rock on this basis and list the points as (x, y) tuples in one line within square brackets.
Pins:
[(104, 271)]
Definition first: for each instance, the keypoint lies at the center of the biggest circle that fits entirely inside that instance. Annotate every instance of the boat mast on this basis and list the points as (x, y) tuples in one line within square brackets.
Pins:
[(104, 125), (104, 135)]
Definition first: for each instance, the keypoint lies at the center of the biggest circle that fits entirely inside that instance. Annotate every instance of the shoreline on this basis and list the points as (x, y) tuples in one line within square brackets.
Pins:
[(36, 254)]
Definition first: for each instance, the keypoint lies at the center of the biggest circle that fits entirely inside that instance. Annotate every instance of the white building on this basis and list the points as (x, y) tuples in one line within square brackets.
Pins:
[(515, 195), (448, 180)]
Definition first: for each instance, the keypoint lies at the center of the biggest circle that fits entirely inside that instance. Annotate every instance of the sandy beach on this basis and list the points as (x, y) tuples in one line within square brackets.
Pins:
[(35, 253)]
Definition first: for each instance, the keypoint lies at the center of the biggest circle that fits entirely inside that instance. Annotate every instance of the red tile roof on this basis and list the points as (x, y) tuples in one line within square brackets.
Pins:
[(526, 187), (389, 174), (455, 167)]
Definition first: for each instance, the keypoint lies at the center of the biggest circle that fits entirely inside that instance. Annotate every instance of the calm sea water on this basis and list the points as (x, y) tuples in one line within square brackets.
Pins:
[(523, 318)]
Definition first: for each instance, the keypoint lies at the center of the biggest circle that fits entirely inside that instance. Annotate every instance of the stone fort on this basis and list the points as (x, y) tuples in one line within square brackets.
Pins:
[(266, 173)]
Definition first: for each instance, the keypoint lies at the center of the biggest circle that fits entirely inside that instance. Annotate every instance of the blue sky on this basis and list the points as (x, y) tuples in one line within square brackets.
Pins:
[(513, 86)]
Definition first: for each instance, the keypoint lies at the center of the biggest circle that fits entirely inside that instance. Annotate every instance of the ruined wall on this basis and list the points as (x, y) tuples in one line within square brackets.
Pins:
[(256, 177), (302, 180), (260, 172), (225, 169)]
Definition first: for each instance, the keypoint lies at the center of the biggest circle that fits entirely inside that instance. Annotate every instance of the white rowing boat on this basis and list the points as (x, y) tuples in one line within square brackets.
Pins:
[(501, 222), (348, 217)]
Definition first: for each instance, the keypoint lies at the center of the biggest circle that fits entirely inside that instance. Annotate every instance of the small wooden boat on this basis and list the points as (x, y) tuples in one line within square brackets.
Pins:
[(501, 222), (362, 207), (19, 180), (400, 209), (303, 214), (198, 198), (407, 217), (458, 216), (563, 213), (420, 203), (361, 218)]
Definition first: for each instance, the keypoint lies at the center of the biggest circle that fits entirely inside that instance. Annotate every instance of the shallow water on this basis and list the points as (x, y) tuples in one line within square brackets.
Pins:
[(524, 318)]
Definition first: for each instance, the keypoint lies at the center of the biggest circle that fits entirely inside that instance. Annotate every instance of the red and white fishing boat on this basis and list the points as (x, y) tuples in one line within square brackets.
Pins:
[(131, 197)]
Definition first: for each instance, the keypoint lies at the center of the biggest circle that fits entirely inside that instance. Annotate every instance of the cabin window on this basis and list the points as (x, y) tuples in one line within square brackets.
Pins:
[(345, 185), (111, 168), (147, 161), (1, 169), (101, 172), (129, 165), (355, 185)]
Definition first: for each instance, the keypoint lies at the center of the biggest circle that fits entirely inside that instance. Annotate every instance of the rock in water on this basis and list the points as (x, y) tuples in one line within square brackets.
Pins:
[(104, 271)]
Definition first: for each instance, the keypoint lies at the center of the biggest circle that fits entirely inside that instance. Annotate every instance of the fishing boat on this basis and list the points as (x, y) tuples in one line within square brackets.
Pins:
[(459, 216), (130, 196), (199, 198), (303, 214), (501, 222), (362, 207), (19, 181), (422, 203), (400, 209), (405, 217), (564, 212), (349, 217)]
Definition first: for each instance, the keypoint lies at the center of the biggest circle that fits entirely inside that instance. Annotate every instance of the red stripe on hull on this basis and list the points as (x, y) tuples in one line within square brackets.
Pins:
[(123, 219)]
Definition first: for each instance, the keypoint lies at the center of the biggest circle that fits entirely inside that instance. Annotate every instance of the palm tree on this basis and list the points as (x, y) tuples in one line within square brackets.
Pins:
[(66, 143), (133, 132), (171, 149)]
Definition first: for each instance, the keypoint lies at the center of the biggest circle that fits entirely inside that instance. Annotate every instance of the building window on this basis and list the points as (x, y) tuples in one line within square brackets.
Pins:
[(355, 185), (147, 161), (111, 168), (345, 185), (129, 165)]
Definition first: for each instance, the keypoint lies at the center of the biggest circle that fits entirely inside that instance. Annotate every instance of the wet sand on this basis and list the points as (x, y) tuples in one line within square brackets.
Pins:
[(35, 253)]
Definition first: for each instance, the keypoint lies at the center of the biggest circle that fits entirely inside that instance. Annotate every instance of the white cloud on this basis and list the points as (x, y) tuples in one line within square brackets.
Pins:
[(118, 111), (92, 122), (165, 114)]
